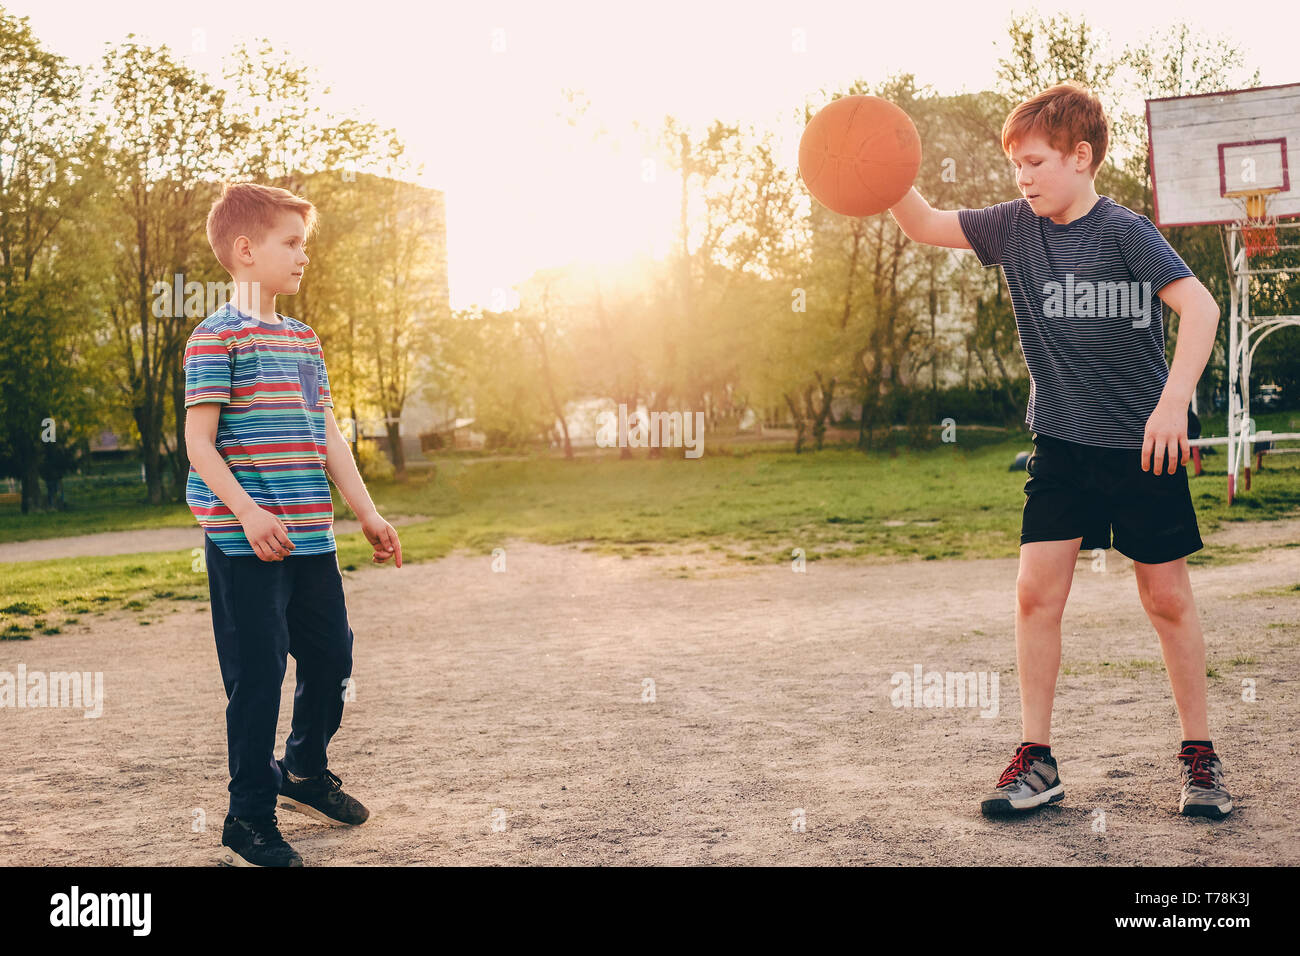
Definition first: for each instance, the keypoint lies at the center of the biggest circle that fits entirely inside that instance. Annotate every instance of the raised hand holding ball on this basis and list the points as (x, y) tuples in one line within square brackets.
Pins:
[(859, 155)]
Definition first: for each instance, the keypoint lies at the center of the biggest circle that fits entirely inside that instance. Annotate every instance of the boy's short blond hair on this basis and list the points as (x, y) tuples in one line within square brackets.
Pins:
[(1065, 115), (249, 209)]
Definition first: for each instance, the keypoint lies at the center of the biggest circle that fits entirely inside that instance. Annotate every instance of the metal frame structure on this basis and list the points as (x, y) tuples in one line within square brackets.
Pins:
[(1245, 333), (1223, 158)]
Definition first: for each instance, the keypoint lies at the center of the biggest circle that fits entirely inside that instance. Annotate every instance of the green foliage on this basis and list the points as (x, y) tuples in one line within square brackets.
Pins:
[(948, 500), (46, 271), (373, 464), (767, 303)]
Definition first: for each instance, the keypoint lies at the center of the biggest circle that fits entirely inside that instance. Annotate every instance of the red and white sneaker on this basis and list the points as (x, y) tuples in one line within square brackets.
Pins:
[(1204, 794), (1027, 783)]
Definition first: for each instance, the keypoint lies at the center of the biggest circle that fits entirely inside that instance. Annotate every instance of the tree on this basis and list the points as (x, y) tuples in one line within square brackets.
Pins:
[(46, 159), (500, 378), (167, 133), (379, 296)]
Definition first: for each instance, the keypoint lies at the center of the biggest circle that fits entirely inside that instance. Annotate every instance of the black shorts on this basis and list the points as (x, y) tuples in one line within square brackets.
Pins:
[(1084, 491)]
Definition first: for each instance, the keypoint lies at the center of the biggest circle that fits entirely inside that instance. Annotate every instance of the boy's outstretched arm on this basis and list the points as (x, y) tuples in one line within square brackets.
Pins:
[(921, 222), (341, 467)]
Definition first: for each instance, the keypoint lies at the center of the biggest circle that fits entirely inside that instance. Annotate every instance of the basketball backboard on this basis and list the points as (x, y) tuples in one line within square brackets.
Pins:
[(1210, 149)]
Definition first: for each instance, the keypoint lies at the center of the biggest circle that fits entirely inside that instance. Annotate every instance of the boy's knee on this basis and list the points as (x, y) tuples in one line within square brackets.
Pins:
[(1167, 603), (334, 665), (1033, 597)]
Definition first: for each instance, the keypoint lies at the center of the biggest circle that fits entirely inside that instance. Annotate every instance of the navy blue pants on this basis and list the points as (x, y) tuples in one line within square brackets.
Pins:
[(261, 612)]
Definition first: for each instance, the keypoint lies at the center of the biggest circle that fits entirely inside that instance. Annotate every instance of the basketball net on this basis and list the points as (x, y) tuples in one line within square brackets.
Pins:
[(1258, 227)]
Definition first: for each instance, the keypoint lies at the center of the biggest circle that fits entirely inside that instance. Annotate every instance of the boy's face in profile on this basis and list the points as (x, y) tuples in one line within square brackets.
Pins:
[(1046, 178), (280, 256)]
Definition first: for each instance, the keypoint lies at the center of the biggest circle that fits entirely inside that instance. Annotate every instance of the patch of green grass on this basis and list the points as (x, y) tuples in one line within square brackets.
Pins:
[(749, 502), (1284, 590), (23, 607), (103, 583), (1219, 555), (1133, 667), (1136, 667), (766, 502), (130, 515)]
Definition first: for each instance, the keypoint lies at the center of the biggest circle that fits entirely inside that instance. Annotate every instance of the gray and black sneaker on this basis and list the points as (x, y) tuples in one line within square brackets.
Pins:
[(1028, 782), (248, 842), (1204, 794), (322, 798)]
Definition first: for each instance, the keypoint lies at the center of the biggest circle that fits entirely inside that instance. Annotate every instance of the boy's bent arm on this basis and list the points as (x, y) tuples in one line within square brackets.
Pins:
[(1198, 320), (201, 445), (921, 222), (342, 467), (1165, 438), (265, 532)]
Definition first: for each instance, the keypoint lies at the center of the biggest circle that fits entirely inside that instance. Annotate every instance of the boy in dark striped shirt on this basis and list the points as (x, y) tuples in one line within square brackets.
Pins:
[(262, 438), (1107, 413)]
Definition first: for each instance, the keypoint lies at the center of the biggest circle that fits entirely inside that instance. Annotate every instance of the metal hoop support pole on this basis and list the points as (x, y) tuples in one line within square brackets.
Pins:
[(1244, 337), (1236, 255)]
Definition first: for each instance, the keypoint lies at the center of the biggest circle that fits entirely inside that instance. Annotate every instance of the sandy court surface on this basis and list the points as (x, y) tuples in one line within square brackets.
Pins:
[(516, 697)]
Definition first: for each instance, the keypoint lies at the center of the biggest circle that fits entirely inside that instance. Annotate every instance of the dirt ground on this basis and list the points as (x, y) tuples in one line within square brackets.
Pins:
[(499, 719)]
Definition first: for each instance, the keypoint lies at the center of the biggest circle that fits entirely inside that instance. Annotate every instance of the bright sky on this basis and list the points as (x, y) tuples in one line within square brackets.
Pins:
[(474, 88)]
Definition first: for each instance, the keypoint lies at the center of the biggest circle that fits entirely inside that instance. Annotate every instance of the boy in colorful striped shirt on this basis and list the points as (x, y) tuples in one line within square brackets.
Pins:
[(261, 438)]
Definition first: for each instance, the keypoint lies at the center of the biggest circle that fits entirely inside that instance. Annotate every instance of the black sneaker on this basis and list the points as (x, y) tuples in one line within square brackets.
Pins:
[(255, 843), (1028, 782), (321, 797)]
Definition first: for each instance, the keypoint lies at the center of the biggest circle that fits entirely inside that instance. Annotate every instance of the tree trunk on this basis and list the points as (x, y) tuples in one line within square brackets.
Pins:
[(1007, 393), (556, 409), (31, 482), (396, 452), (54, 494), (624, 449), (657, 402), (181, 460), (146, 423), (823, 413), (800, 424)]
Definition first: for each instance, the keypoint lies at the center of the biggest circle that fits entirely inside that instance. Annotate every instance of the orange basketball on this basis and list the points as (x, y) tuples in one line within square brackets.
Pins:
[(859, 155)]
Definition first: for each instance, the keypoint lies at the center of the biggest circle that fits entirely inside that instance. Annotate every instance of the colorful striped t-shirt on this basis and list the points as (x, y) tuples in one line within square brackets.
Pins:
[(271, 378)]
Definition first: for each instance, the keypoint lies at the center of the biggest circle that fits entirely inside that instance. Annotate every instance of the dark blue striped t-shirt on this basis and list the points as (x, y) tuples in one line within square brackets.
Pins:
[(1085, 297)]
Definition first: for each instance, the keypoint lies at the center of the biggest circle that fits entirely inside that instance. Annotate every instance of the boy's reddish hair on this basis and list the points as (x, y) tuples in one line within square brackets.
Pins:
[(1065, 115), (248, 209)]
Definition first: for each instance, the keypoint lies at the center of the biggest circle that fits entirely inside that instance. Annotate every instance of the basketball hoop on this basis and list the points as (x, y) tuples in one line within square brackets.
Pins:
[(1226, 159), (1258, 227)]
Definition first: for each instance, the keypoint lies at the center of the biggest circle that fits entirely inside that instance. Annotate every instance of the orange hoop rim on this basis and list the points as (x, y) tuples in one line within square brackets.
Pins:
[(1258, 227)]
